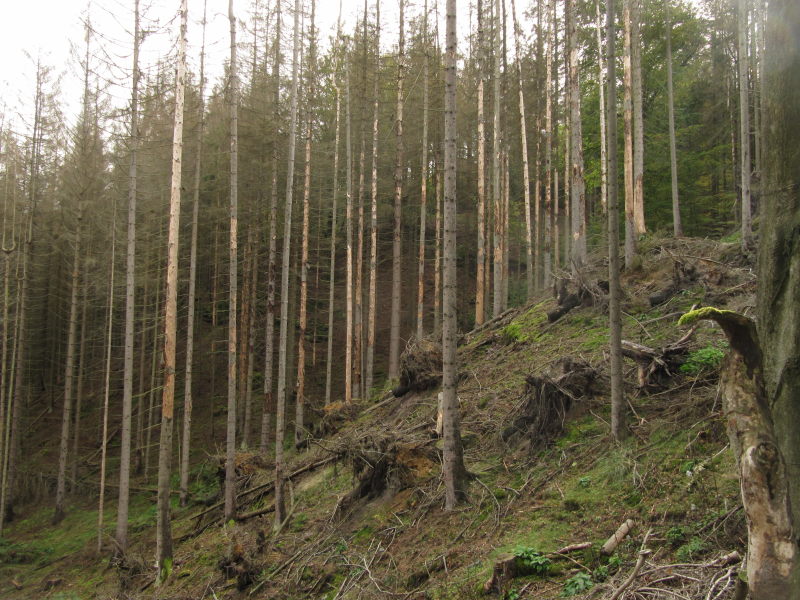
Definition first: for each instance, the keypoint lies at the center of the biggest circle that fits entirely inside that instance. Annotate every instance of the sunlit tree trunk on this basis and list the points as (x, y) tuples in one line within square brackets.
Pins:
[(163, 525), (577, 186), (348, 353), (615, 320), (497, 145), (548, 149), (638, 122), (630, 226), (480, 287), (280, 505)]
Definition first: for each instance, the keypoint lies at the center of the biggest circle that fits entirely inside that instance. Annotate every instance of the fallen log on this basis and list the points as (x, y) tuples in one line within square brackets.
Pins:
[(615, 540), (656, 367)]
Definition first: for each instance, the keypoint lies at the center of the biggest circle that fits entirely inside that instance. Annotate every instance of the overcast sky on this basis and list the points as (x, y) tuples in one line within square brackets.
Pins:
[(53, 29)]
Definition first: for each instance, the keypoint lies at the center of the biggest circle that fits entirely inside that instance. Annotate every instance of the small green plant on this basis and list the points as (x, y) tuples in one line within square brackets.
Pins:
[(676, 535), (585, 481), (615, 562), (511, 595), (702, 360), (512, 333), (690, 549), (580, 582), (533, 560), (600, 573)]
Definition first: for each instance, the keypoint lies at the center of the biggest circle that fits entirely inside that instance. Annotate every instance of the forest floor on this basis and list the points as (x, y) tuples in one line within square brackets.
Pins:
[(366, 515)]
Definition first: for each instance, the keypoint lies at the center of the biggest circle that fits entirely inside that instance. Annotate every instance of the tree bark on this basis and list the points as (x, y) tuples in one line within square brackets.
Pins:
[(397, 256), (123, 499), (577, 186), (423, 193), (601, 66), (497, 145), (187, 392), (638, 122), (614, 310), (548, 149), (630, 201), (677, 227), (480, 288), (744, 127), (453, 459), (280, 508), (163, 526)]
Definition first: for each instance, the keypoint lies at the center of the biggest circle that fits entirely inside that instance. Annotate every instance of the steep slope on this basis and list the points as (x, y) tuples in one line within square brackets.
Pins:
[(367, 519)]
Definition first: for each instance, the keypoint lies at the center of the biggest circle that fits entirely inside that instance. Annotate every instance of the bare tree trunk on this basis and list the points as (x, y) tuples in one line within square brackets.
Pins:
[(397, 256), (497, 145), (615, 317), (423, 194), (107, 378), (577, 186), (744, 127), (453, 459), (358, 292), (603, 118), (373, 219), (548, 149), (233, 272), (437, 264), (526, 177), (163, 525), (677, 228), (121, 534), (480, 288), (299, 428), (630, 201), (638, 122), (332, 276), (187, 392), (280, 507), (269, 333), (348, 361), (76, 435)]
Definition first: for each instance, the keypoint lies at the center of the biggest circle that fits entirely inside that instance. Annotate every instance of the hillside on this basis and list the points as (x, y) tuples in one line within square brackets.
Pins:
[(367, 519)]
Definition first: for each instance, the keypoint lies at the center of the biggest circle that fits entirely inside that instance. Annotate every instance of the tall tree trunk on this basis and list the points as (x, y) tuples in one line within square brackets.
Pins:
[(187, 392), (437, 282), (107, 378), (548, 149), (638, 122), (603, 118), (453, 459), (72, 334), (577, 185), (163, 525), (744, 127), (121, 534), (677, 228), (348, 360), (233, 273), (373, 216), (779, 247), (423, 193), (614, 310), (497, 145), (299, 428), (397, 256), (526, 177), (334, 228), (269, 328), (480, 288), (630, 201), (280, 506), (76, 434)]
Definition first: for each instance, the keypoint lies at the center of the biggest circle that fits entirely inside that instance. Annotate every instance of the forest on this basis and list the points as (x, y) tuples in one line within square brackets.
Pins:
[(454, 299)]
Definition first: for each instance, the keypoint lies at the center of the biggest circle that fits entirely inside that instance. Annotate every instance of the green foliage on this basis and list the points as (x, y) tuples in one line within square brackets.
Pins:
[(676, 535), (691, 549), (511, 595), (600, 573), (585, 481), (532, 560), (702, 360), (580, 582), (513, 333), (14, 553)]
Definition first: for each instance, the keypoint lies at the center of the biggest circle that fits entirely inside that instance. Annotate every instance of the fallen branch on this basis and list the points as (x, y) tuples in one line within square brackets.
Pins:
[(620, 534), (574, 548)]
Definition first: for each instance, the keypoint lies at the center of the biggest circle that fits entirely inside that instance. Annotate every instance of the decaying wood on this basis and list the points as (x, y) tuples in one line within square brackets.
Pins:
[(574, 548), (505, 569), (772, 551), (656, 366), (619, 535)]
